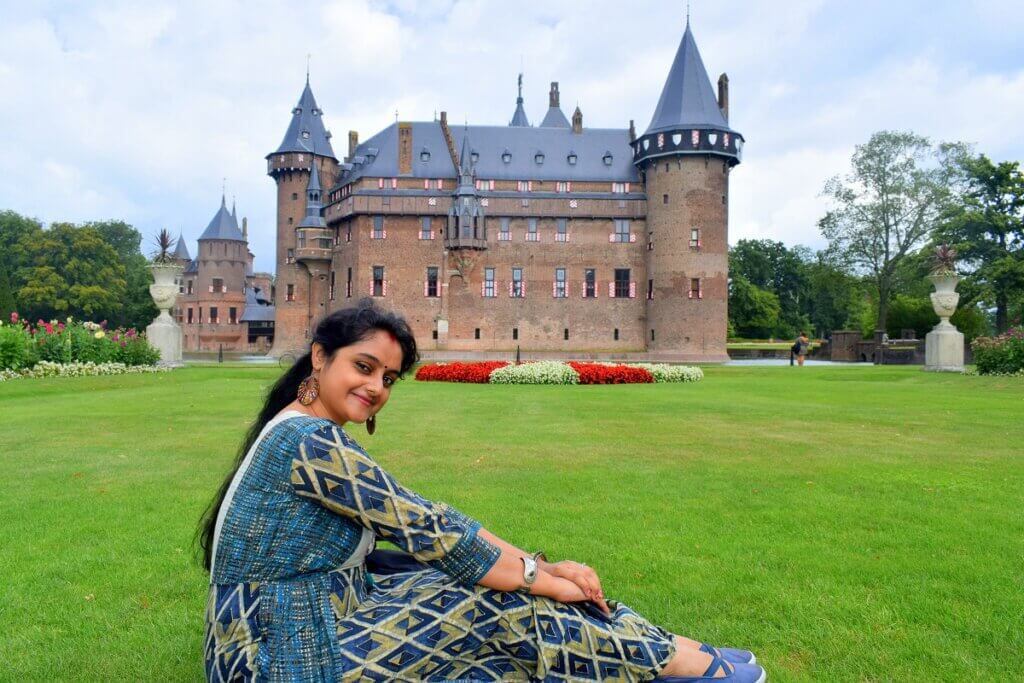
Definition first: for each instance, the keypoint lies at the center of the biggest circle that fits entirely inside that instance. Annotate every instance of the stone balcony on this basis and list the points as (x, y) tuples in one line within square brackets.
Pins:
[(464, 243)]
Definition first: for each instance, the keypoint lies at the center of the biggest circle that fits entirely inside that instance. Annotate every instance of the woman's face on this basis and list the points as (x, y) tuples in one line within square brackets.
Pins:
[(356, 381)]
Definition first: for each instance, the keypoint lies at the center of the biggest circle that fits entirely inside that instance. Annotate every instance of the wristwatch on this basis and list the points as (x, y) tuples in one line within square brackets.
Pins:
[(529, 573)]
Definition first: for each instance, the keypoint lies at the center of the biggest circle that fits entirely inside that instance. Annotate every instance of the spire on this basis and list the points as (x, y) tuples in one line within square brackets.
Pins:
[(306, 130), (687, 100), (314, 205), (181, 250), (519, 117), (465, 156), (554, 118), (222, 226), (234, 212)]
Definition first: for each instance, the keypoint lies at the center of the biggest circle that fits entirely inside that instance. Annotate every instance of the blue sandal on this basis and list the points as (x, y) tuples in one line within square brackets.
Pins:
[(734, 673), (729, 654)]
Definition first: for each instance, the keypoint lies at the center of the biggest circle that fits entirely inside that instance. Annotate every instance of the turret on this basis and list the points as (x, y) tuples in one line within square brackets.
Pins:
[(684, 158), (466, 218), (554, 118), (519, 117), (314, 240)]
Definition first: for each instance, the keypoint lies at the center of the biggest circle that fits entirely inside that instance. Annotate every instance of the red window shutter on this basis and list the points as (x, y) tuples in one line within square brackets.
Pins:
[(522, 287), (492, 184), (426, 183), (690, 293), (611, 237), (529, 185), (426, 287), (568, 186), (380, 183), (431, 234), (394, 183), (383, 234), (567, 236), (554, 289), (700, 290), (627, 187), (566, 288), (483, 288), (384, 289), (371, 286), (632, 289), (611, 289), (510, 289), (632, 237)]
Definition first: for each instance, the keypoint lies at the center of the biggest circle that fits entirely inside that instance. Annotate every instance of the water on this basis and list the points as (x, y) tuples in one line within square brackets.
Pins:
[(779, 362)]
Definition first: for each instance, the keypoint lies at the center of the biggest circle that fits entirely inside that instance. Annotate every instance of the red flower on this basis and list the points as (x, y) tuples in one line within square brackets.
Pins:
[(594, 373), (474, 373), (14, 317)]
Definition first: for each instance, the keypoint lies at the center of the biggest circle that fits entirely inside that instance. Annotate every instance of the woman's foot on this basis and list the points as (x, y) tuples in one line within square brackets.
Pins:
[(723, 672), (729, 654)]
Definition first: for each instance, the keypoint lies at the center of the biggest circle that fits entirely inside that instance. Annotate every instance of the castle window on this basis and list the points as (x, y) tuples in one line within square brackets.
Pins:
[(517, 288), (290, 257), (488, 289), (295, 195), (615, 334), (559, 288), (505, 233), (607, 158), (378, 232), (525, 185), (425, 156), (214, 315), (622, 287), (621, 233), (430, 285), (650, 241), (650, 289), (652, 335), (572, 158), (348, 232), (563, 186), (200, 318), (531, 231), (302, 239), (562, 234), (189, 289), (426, 228), (290, 220), (666, 167), (664, 199), (378, 286), (189, 315), (476, 333), (348, 285), (332, 286), (538, 158), (695, 238), (232, 316), (620, 188), (474, 156), (565, 334), (218, 286), (290, 293), (515, 333), (696, 289), (506, 156), (590, 283)]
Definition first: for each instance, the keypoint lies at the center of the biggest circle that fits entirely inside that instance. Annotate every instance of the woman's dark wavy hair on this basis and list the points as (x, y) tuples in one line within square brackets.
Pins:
[(341, 328)]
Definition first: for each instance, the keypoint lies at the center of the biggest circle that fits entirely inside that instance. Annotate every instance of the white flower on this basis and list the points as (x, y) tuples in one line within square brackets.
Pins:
[(540, 372)]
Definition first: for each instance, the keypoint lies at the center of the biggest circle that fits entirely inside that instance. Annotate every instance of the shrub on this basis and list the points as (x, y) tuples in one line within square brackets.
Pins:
[(539, 372), (1001, 355), (603, 373), (48, 369), (474, 373), (132, 348), (673, 373), (15, 343)]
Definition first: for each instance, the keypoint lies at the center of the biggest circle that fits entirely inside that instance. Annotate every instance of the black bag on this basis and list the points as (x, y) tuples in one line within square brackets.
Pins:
[(795, 348)]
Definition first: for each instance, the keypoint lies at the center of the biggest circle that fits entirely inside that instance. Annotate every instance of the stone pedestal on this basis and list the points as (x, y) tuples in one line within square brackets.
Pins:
[(944, 349), (165, 336)]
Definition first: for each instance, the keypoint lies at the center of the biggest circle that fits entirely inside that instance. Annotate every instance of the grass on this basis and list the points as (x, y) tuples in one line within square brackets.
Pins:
[(848, 524)]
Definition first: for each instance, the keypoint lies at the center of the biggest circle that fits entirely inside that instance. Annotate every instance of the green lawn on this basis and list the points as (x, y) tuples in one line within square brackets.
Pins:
[(845, 523)]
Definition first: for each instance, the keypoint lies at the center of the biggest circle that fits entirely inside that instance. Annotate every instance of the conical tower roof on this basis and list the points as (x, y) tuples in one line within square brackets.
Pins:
[(306, 131), (687, 100), (181, 250), (223, 226), (314, 206), (519, 117)]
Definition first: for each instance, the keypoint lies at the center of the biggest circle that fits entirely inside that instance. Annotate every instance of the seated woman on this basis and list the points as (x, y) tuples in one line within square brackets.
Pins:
[(288, 539)]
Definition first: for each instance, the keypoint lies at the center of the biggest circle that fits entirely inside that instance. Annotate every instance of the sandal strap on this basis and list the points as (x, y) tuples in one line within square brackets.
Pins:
[(719, 664)]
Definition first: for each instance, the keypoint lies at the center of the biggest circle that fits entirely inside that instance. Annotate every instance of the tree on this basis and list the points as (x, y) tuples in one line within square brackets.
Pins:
[(7, 305), (771, 266), (987, 230), (753, 312), (835, 299), (15, 231), (70, 271), (138, 309), (897, 190)]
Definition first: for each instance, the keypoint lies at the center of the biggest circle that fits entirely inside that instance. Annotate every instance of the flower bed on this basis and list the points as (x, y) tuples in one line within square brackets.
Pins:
[(24, 345), (1001, 355), (556, 372), (473, 373), (49, 369)]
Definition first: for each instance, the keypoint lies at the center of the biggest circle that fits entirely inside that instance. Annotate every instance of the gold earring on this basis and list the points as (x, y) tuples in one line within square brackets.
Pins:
[(309, 390), (371, 424)]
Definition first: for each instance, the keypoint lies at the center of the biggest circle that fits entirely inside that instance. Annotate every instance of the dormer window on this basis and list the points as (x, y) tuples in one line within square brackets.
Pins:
[(607, 158), (474, 156), (539, 157), (425, 156), (305, 135), (506, 156), (572, 158)]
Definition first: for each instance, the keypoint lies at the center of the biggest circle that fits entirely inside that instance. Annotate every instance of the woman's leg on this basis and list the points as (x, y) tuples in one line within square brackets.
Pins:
[(688, 660)]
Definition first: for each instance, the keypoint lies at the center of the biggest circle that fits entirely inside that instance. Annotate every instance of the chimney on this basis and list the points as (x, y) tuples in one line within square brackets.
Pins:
[(577, 120), (353, 142), (553, 95), (245, 228), (632, 130), (723, 95), (405, 148), (448, 139)]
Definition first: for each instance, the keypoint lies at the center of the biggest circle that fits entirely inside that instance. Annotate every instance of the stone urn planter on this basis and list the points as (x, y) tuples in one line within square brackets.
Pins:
[(164, 333), (944, 345)]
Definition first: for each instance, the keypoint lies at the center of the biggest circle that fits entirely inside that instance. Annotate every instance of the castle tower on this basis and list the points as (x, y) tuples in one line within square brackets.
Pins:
[(684, 158), (300, 282), (219, 283)]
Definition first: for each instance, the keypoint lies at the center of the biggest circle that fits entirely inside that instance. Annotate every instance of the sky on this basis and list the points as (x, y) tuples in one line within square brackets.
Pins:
[(144, 111)]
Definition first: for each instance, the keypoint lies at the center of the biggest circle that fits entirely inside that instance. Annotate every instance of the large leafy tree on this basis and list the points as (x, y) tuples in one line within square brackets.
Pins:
[(70, 270), (7, 305), (834, 299), (15, 232), (888, 205), (138, 309), (771, 266), (753, 311), (987, 228)]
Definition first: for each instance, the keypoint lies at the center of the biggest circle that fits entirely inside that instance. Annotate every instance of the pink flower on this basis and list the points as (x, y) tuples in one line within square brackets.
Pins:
[(14, 317)]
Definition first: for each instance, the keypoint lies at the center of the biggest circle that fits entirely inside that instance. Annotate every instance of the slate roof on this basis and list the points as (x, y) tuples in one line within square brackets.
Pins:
[(313, 218), (254, 310), (378, 156), (519, 117), (181, 250), (555, 119), (223, 226), (192, 267), (306, 131), (687, 100)]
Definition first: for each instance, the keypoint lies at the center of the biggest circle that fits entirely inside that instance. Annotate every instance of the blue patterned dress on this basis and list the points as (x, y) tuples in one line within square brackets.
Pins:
[(291, 599)]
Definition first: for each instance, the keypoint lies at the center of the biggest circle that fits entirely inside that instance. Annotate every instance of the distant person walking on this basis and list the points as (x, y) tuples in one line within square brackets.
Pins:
[(800, 347)]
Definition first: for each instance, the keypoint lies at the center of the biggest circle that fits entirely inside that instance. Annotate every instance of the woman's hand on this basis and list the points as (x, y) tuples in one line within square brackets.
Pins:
[(584, 577), (564, 590)]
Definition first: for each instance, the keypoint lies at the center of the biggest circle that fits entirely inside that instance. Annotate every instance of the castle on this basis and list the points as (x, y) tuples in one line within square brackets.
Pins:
[(557, 239)]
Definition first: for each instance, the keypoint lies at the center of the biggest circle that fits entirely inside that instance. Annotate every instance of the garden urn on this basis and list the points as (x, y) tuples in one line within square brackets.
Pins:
[(164, 333), (944, 345)]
